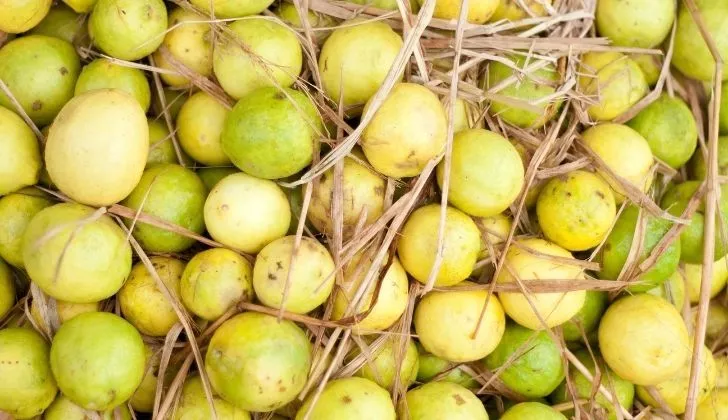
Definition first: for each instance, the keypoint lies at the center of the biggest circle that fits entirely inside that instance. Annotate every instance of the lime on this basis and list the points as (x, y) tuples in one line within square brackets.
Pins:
[(193, 404), (672, 290), (381, 364), (16, 211), (439, 400), (61, 22), (21, 15), (587, 319), (352, 399), (103, 73), (613, 80), (638, 23), (691, 54), (715, 407), (200, 123), (128, 29), (698, 168), (479, 11), (211, 176), (188, 42), (432, 367), (532, 411)]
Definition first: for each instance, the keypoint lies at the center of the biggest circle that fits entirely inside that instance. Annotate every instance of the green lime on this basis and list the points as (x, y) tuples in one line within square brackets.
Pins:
[(587, 319), (697, 163), (619, 242), (61, 22), (381, 366), (532, 411), (211, 176), (532, 360), (103, 73), (432, 366), (669, 127), (584, 388)]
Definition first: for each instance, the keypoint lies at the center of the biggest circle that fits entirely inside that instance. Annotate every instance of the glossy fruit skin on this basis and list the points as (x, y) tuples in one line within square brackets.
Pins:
[(535, 369), (486, 173), (532, 411), (432, 367), (532, 86), (670, 129), (651, 66), (587, 319), (641, 23), (656, 333), (41, 73), (614, 81), (193, 404), (104, 74), (438, 400), (616, 250), (232, 220), (408, 129), (272, 57), (28, 386), (188, 42), (252, 352), (95, 263), (232, 9), (576, 210), (270, 134), (311, 279), (161, 147), (445, 321), (553, 308), (174, 194), (64, 312), (343, 57), (20, 158), (418, 245), (93, 170), (131, 35), (144, 304), (691, 54), (97, 374), (350, 398)]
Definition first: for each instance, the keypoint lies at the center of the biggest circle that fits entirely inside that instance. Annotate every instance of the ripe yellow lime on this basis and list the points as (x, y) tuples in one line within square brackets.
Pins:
[(355, 60), (512, 10), (102, 73), (529, 260), (651, 66), (16, 211), (523, 87), (246, 213), (193, 404), (257, 52), (391, 301), (672, 290), (654, 332), (128, 29), (362, 198), (715, 407), (309, 283), (62, 22), (417, 246), (486, 174), (624, 151), (287, 13), (721, 378), (64, 310), (21, 15), (638, 23), (7, 289), (532, 411), (214, 280), (92, 169), (199, 125), (40, 72), (98, 360), (692, 55), (407, 131), (380, 365), (717, 319), (64, 409), (496, 229), (28, 386), (188, 42), (144, 304), (446, 320), (258, 363), (440, 400), (75, 256), (613, 80), (20, 159), (232, 9), (81, 6), (674, 391), (352, 399), (161, 146), (143, 398), (694, 274), (576, 210), (479, 11)]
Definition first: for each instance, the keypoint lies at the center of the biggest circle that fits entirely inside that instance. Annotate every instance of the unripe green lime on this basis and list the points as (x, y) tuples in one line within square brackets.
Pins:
[(102, 73), (432, 367), (41, 73), (20, 157), (174, 194), (98, 360), (28, 386), (691, 54), (161, 147), (697, 163), (128, 29), (74, 255), (587, 319), (270, 133), (211, 176)]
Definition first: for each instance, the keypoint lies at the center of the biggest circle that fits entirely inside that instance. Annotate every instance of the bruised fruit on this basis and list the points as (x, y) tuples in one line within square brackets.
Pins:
[(247, 213), (271, 132), (40, 71), (98, 360), (93, 169), (128, 29), (74, 253), (214, 281), (408, 129), (144, 304), (187, 43), (254, 53), (446, 321), (171, 193), (20, 157), (199, 125), (28, 386), (102, 73), (309, 278), (349, 398), (257, 362)]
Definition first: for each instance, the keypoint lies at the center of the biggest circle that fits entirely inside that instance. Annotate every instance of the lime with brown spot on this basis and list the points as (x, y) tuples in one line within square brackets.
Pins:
[(128, 29), (352, 399), (187, 44), (438, 400)]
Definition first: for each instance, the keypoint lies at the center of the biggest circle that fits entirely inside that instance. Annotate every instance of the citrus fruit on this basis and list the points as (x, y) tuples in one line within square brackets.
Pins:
[(528, 259), (193, 404), (479, 11), (7, 289), (672, 290), (381, 364), (438, 400), (81, 6), (350, 398), (613, 80), (16, 211), (641, 23), (257, 362), (287, 13), (693, 274), (199, 125), (64, 409), (143, 398), (655, 333), (102, 73), (433, 368), (445, 322), (188, 43), (587, 319), (61, 22), (408, 130), (232, 9), (691, 54), (64, 312), (715, 407), (20, 159), (417, 246), (532, 411), (21, 15), (651, 66), (98, 360), (161, 147), (513, 10), (128, 29), (698, 168), (211, 176)]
